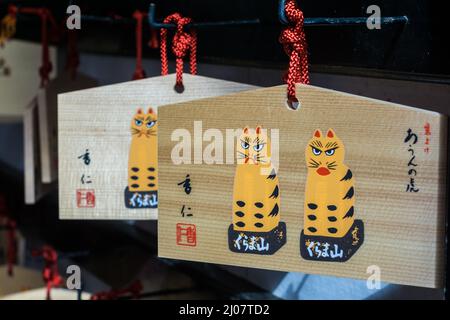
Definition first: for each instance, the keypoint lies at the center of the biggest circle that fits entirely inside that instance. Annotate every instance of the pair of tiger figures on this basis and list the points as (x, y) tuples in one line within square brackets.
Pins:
[(330, 232)]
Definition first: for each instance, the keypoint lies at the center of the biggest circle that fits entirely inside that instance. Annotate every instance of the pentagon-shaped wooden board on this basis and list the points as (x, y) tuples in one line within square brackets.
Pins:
[(47, 110), (23, 279), (22, 59), (397, 157), (97, 121), (34, 189)]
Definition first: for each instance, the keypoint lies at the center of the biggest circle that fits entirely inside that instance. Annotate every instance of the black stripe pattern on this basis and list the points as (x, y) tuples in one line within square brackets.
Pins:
[(347, 176), (272, 175), (349, 213), (274, 194), (274, 211), (349, 194)]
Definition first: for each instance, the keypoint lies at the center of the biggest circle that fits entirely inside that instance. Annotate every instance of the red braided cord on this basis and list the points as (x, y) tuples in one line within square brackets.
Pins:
[(50, 272), (182, 43), (163, 51), (134, 289), (294, 44), (193, 56), (45, 15), (139, 72), (46, 67)]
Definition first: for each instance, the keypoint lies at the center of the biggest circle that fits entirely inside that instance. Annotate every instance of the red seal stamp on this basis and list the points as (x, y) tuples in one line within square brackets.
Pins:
[(186, 234), (85, 198)]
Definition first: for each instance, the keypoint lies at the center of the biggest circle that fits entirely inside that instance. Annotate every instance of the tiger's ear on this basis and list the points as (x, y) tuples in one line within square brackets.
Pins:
[(150, 110), (330, 133), (317, 133), (258, 129), (139, 111), (246, 129)]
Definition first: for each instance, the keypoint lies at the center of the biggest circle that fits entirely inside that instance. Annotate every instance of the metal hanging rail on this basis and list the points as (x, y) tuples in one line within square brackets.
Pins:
[(316, 21), (158, 25), (344, 21)]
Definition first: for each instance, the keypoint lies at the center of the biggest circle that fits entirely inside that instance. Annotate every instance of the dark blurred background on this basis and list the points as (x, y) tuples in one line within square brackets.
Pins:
[(407, 64)]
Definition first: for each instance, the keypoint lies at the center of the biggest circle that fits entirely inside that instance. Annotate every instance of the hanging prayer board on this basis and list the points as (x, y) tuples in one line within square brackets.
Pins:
[(19, 68), (23, 279), (47, 109), (343, 186), (108, 147), (34, 188), (41, 294)]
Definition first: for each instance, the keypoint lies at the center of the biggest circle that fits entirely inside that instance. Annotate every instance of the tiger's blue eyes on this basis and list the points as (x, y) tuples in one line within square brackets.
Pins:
[(258, 147), (148, 125), (245, 145), (316, 151)]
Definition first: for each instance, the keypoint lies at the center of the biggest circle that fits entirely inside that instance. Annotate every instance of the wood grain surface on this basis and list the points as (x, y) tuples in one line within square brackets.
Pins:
[(404, 231), (99, 120)]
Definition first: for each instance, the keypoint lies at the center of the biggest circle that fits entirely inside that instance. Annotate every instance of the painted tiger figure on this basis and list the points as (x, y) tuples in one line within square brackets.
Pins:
[(256, 196), (141, 191), (330, 193)]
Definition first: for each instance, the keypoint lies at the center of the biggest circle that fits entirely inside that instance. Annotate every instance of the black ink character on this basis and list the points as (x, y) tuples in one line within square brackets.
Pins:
[(186, 184), (85, 157), (186, 213), (411, 135)]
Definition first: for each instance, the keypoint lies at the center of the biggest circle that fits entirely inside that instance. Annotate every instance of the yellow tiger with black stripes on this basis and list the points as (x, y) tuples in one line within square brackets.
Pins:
[(143, 157), (330, 193), (256, 196)]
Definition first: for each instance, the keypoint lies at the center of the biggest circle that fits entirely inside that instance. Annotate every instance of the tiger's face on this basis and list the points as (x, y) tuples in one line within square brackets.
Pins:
[(253, 147), (144, 124), (324, 153)]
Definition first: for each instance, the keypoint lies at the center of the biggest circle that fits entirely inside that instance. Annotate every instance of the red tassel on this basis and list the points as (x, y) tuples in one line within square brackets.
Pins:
[(139, 72), (182, 43), (134, 289), (294, 43), (50, 272)]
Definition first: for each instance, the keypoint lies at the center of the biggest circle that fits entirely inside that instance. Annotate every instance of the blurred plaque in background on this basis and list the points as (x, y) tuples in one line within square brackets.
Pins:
[(105, 163), (22, 81)]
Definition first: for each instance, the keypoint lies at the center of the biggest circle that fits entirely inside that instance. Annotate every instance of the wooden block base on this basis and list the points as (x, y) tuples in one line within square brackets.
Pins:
[(141, 199), (320, 248), (264, 243)]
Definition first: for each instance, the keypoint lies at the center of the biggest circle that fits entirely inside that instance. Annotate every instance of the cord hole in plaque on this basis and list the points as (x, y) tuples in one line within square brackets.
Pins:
[(179, 88), (293, 104)]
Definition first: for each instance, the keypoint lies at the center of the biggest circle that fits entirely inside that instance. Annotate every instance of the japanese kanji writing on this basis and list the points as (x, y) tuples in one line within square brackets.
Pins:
[(186, 184), (324, 250), (186, 234), (253, 243), (427, 133), (186, 211), (85, 157), (139, 200), (411, 139), (85, 197)]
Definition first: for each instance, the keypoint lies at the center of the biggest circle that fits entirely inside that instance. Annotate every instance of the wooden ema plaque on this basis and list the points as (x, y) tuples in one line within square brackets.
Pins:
[(108, 145), (34, 188), (20, 65), (342, 186), (47, 109)]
